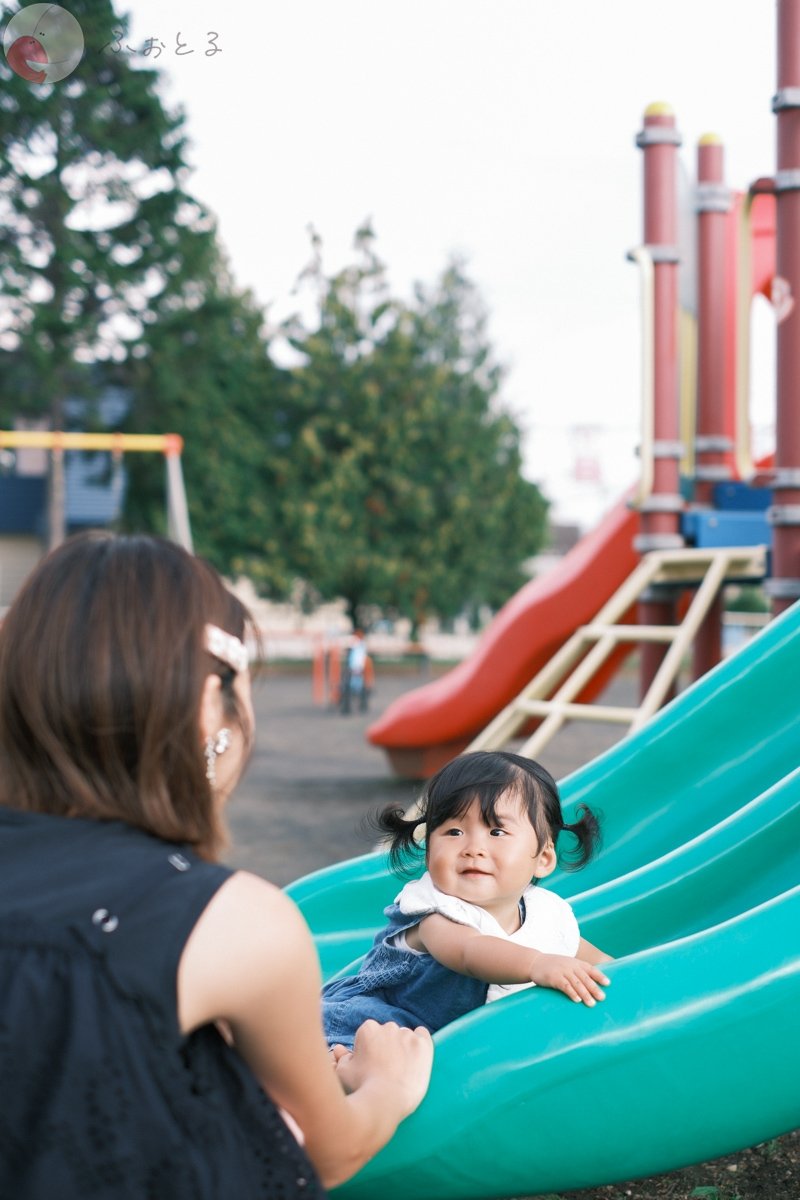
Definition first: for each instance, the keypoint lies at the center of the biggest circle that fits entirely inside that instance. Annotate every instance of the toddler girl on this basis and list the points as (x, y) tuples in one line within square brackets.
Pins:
[(475, 926)]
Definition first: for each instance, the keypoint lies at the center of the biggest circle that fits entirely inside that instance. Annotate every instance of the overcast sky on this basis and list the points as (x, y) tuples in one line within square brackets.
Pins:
[(501, 129)]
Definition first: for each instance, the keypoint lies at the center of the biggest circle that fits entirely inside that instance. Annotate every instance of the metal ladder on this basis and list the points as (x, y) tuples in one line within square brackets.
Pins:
[(585, 652)]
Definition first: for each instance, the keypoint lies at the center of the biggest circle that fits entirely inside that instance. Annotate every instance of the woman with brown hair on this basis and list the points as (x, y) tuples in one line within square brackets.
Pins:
[(160, 1028)]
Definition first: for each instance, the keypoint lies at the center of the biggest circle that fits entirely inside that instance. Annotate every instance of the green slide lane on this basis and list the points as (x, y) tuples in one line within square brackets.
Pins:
[(694, 1053)]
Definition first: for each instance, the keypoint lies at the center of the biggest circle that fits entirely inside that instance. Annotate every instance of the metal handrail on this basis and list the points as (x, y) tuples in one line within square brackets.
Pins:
[(644, 260), (743, 458)]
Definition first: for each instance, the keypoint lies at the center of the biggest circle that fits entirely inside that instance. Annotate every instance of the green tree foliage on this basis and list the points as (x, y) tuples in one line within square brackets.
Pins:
[(98, 237), (204, 372), (408, 469)]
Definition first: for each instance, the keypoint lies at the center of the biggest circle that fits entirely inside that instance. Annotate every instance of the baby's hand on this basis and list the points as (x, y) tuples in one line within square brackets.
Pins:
[(575, 978), (340, 1056)]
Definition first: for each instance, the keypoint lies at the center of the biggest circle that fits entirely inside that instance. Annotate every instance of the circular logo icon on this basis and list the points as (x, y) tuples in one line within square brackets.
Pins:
[(43, 43)]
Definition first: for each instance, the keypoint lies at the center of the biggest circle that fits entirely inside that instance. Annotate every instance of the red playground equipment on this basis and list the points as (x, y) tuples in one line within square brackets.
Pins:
[(699, 490)]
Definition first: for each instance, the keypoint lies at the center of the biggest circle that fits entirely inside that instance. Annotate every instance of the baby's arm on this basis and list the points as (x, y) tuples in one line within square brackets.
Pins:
[(591, 954), (495, 960)]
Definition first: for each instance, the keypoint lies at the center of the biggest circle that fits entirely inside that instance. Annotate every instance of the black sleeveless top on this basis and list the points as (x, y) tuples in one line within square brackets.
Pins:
[(101, 1096)]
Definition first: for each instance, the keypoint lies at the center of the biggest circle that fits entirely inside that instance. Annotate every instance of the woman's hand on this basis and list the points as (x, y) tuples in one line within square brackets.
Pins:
[(575, 978), (251, 963), (393, 1057)]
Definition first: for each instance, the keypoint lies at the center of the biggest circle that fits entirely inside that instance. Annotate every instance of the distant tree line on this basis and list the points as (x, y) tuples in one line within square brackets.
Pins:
[(381, 467)]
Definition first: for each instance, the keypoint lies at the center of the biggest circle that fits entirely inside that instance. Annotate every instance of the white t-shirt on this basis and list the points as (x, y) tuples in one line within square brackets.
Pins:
[(549, 924), (357, 658)]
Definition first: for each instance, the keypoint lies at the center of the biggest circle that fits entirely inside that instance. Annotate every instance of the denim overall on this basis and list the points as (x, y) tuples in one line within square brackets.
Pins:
[(397, 985)]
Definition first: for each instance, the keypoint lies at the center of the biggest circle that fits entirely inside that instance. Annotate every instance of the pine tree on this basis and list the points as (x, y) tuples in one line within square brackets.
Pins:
[(205, 371), (411, 496), (98, 236)]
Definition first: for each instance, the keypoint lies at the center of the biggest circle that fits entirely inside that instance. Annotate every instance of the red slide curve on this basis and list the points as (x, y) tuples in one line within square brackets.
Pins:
[(423, 729)]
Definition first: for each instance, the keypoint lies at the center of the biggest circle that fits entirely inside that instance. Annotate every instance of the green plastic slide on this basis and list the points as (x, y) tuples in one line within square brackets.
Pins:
[(695, 1052)]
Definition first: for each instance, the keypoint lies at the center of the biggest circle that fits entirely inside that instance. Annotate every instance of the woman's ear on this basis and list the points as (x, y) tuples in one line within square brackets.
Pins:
[(545, 862), (211, 708)]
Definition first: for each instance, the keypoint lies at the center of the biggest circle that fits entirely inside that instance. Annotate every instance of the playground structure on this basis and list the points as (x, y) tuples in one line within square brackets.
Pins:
[(694, 1053), (168, 444), (698, 490)]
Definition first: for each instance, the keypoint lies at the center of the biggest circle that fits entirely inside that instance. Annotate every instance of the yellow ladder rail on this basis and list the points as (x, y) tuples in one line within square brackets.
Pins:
[(583, 654)]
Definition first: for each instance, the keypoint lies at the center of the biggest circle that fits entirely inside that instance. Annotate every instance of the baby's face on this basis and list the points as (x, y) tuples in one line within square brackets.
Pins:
[(488, 865)]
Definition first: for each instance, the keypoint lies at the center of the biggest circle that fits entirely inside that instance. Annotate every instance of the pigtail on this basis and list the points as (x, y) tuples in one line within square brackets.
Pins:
[(399, 837), (587, 834)]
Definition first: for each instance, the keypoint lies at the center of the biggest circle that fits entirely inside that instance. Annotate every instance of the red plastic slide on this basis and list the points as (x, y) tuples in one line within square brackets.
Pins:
[(426, 727)]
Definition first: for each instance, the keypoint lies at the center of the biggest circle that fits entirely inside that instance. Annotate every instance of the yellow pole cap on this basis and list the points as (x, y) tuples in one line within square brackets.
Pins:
[(709, 139), (659, 108)]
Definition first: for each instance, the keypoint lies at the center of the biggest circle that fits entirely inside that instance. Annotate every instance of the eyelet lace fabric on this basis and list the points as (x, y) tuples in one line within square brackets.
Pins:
[(103, 1099)]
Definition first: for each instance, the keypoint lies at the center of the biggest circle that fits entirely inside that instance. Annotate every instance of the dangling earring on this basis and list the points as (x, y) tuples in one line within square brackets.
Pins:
[(214, 747)]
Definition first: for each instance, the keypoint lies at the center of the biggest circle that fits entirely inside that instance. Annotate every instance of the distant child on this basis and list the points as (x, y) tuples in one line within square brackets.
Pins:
[(355, 684), (475, 926)]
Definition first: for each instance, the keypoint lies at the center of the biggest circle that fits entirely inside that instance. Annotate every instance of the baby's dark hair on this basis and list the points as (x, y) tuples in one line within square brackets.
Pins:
[(484, 776)]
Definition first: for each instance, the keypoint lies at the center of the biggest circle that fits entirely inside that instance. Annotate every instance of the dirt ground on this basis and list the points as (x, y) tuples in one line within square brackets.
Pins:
[(311, 781), (770, 1171)]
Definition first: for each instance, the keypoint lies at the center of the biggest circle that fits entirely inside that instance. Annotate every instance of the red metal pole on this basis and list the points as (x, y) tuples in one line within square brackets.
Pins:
[(713, 439), (660, 512), (784, 587)]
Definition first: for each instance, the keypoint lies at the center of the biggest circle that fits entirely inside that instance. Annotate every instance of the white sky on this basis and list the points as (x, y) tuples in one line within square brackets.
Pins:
[(503, 129)]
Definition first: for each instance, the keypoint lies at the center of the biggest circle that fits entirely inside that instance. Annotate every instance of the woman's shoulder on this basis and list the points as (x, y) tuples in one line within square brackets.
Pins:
[(247, 913), (244, 892), (248, 941)]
